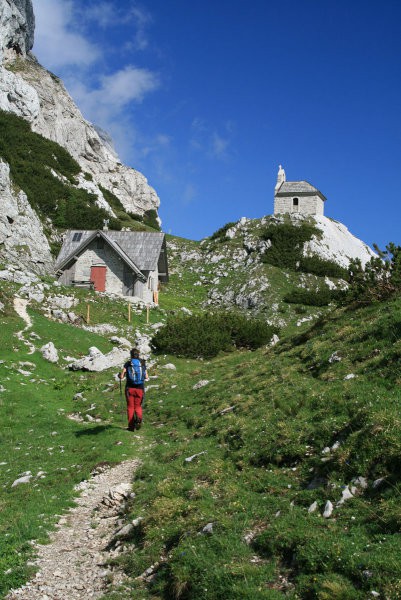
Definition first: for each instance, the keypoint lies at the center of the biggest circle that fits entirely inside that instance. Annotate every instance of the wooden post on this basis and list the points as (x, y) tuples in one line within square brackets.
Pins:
[(88, 313), (129, 312), (147, 313)]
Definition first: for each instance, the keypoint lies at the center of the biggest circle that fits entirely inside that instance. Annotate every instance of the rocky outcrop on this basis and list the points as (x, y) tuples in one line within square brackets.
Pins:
[(337, 243), (22, 240), (17, 25), (29, 91), (60, 120)]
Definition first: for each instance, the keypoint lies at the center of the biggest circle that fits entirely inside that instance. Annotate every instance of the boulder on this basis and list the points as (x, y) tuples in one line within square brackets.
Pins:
[(49, 352)]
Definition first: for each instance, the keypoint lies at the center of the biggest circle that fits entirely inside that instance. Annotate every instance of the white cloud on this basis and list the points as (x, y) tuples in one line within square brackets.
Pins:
[(58, 42), (113, 92), (219, 145), (207, 140)]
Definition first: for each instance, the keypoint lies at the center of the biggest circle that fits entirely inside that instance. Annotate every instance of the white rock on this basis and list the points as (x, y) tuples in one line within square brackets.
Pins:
[(200, 384), (275, 340), (25, 479), (337, 244), (328, 509), (49, 352), (19, 222), (334, 357), (350, 376), (312, 507), (346, 495), (208, 529), (191, 458), (169, 367)]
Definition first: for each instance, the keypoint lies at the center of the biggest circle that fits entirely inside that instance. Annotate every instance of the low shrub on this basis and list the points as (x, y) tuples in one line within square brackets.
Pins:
[(321, 297), (150, 219), (287, 242), (206, 335), (322, 268)]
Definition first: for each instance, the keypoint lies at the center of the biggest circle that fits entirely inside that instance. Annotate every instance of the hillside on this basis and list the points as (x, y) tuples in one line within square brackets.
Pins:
[(286, 269), (241, 455)]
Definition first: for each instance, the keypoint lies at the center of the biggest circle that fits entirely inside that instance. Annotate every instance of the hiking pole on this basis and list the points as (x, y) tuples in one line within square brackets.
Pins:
[(122, 404)]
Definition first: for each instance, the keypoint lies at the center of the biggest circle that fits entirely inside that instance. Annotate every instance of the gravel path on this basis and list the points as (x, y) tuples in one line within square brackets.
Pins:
[(20, 308), (71, 566)]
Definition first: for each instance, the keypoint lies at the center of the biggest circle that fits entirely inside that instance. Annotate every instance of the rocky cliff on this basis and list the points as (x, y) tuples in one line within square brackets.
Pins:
[(22, 241), (29, 91)]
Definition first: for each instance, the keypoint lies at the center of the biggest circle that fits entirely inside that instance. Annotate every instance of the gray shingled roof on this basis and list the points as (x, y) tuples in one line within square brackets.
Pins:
[(141, 247), (302, 188)]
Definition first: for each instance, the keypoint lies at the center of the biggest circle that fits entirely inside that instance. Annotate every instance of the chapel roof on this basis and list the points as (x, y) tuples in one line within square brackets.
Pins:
[(302, 188)]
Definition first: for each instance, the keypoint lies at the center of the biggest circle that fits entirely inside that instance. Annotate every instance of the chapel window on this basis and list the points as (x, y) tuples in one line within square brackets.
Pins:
[(295, 201)]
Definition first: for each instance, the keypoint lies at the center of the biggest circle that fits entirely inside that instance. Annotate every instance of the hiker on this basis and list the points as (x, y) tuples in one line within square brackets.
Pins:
[(136, 374)]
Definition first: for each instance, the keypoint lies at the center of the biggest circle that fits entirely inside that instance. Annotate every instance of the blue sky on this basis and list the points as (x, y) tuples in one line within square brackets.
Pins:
[(208, 98)]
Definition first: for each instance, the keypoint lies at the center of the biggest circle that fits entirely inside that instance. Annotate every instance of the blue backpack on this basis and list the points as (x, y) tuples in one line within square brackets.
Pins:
[(136, 372)]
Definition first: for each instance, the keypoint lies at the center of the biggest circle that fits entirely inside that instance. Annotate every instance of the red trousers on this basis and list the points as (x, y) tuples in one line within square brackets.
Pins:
[(134, 398)]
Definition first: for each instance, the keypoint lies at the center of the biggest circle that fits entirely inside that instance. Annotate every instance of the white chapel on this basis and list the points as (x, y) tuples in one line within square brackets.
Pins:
[(297, 197)]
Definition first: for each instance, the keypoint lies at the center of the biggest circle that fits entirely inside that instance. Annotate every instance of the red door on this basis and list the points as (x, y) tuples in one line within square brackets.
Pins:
[(98, 278)]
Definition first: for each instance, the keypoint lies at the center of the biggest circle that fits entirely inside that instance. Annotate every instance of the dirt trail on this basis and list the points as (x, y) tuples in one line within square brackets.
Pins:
[(20, 308), (73, 566)]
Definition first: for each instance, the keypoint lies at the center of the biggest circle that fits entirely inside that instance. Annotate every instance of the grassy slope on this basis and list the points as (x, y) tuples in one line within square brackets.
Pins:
[(36, 434), (290, 403)]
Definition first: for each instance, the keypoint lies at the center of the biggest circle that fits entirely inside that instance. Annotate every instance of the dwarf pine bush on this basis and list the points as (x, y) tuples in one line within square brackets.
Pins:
[(206, 335), (321, 297)]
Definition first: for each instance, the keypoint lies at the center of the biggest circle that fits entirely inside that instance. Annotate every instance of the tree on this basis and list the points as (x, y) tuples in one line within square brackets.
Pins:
[(380, 279)]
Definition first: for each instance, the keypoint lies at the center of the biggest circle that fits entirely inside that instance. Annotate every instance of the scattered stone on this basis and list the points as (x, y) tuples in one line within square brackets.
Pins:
[(124, 532), (227, 410), (312, 507), (200, 384), (208, 529), (360, 482), (120, 341), (25, 479), (346, 495), (334, 357), (350, 376), (169, 366), (97, 361), (191, 458), (328, 509), (49, 352), (377, 482), (275, 340)]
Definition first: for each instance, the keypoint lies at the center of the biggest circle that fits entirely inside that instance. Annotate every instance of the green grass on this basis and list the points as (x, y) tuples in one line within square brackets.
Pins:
[(258, 427), (36, 435), (255, 463)]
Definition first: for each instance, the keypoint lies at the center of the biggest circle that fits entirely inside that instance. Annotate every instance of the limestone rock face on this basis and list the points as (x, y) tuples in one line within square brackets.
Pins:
[(31, 92), (338, 244), (17, 25), (22, 241), (60, 120), (17, 96)]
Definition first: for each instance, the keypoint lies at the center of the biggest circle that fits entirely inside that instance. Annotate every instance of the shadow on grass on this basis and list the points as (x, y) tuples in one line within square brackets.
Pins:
[(95, 430)]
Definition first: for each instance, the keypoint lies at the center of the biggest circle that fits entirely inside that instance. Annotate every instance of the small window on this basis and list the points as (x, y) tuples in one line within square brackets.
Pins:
[(295, 201), (77, 237), (100, 243)]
